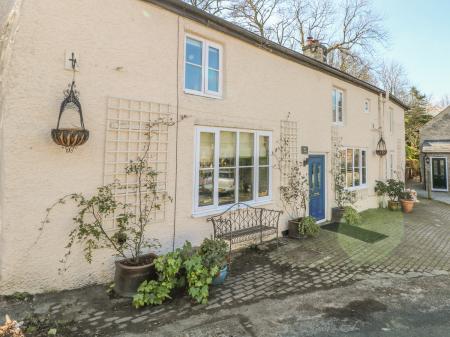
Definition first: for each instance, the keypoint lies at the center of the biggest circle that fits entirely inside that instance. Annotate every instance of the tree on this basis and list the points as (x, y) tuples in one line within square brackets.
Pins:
[(215, 7), (415, 118), (350, 30), (392, 78), (258, 16)]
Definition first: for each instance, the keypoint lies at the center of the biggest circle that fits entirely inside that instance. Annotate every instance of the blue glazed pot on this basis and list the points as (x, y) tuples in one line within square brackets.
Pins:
[(220, 278)]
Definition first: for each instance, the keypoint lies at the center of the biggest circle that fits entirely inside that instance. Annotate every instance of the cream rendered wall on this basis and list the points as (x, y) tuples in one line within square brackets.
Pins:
[(129, 49)]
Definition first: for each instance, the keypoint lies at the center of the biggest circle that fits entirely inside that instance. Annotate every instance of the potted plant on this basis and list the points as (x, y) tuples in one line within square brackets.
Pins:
[(407, 202), (342, 195), (92, 222), (351, 216), (294, 190), (308, 227), (214, 252), (393, 189)]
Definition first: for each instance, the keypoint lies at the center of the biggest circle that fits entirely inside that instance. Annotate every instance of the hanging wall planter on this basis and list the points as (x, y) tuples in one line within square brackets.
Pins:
[(381, 147), (69, 138)]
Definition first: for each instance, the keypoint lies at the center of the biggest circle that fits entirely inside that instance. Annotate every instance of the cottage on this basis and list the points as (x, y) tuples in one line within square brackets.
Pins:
[(230, 92), (435, 152)]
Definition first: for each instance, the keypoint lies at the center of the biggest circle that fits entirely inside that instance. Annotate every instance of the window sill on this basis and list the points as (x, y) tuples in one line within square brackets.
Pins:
[(357, 188), (202, 94), (338, 124), (221, 209)]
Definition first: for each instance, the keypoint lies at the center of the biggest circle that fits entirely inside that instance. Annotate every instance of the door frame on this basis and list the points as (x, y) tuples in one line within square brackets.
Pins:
[(446, 174), (325, 181)]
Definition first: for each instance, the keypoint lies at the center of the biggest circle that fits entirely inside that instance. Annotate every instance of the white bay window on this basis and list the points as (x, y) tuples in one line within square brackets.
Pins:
[(231, 166)]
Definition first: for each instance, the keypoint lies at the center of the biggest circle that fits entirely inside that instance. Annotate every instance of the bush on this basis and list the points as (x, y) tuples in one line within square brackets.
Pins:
[(351, 216), (308, 226), (214, 252), (195, 268)]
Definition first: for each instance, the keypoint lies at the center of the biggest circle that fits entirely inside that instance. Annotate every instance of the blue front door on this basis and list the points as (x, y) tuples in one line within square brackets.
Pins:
[(317, 186)]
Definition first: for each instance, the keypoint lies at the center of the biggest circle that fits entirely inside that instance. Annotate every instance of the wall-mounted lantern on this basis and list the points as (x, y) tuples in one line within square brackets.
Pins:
[(70, 138), (381, 147)]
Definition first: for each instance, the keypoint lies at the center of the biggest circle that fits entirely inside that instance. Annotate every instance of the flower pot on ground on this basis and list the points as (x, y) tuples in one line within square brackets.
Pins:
[(303, 228), (337, 213), (214, 252), (393, 205), (128, 276), (129, 241), (393, 189), (221, 276), (407, 202), (293, 229)]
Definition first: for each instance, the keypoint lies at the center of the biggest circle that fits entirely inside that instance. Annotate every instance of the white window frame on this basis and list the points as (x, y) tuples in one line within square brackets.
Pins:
[(366, 103), (205, 67), (336, 120), (361, 185), (215, 208)]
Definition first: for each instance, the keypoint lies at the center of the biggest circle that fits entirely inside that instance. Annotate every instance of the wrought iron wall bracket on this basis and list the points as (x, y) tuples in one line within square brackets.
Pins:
[(70, 138)]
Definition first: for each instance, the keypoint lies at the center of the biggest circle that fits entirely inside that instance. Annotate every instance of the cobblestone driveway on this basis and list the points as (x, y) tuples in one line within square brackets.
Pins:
[(418, 245)]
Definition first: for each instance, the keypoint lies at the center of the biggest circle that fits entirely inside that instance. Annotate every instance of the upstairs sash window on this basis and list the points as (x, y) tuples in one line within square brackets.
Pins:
[(337, 100), (203, 67)]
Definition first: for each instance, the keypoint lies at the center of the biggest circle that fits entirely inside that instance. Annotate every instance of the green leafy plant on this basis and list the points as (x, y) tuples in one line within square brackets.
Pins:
[(214, 252), (94, 212), (308, 226), (351, 216), (185, 266), (199, 277), (392, 188), (156, 292), (406, 195)]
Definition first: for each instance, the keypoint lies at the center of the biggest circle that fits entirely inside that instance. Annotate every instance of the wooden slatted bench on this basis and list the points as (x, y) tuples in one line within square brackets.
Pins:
[(241, 223)]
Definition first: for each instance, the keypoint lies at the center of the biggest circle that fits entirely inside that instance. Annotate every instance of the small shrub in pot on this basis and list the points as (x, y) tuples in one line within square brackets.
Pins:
[(128, 240)]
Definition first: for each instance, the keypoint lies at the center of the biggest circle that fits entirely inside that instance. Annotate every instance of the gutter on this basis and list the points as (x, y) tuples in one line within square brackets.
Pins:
[(193, 13)]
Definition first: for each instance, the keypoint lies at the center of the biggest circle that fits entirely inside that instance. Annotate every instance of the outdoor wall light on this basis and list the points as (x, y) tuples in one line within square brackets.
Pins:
[(69, 138)]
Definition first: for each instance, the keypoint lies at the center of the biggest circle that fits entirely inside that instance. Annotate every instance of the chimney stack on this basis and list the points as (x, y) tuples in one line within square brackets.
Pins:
[(315, 50)]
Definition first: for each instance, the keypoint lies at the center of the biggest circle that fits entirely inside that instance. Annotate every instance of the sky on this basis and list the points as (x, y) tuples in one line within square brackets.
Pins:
[(419, 40)]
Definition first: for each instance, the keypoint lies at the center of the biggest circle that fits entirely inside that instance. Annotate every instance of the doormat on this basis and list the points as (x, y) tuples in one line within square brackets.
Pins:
[(355, 232)]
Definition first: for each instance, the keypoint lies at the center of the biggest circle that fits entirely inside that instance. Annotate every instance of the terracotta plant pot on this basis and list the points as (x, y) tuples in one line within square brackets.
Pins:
[(293, 229), (337, 213), (407, 205), (128, 277), (393, 205)]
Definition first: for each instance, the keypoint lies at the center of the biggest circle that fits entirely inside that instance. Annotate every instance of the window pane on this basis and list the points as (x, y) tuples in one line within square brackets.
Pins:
[(213, 58), (194, 51), (263, 189), (227, 149), (263, 150), (206, 188), (246, 184), (349, 167), (213, 80), (334, 106), (206, 150), (227, 179), (245, 149), (340, 104), (193, 77), (363, 170), (356, 168)]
